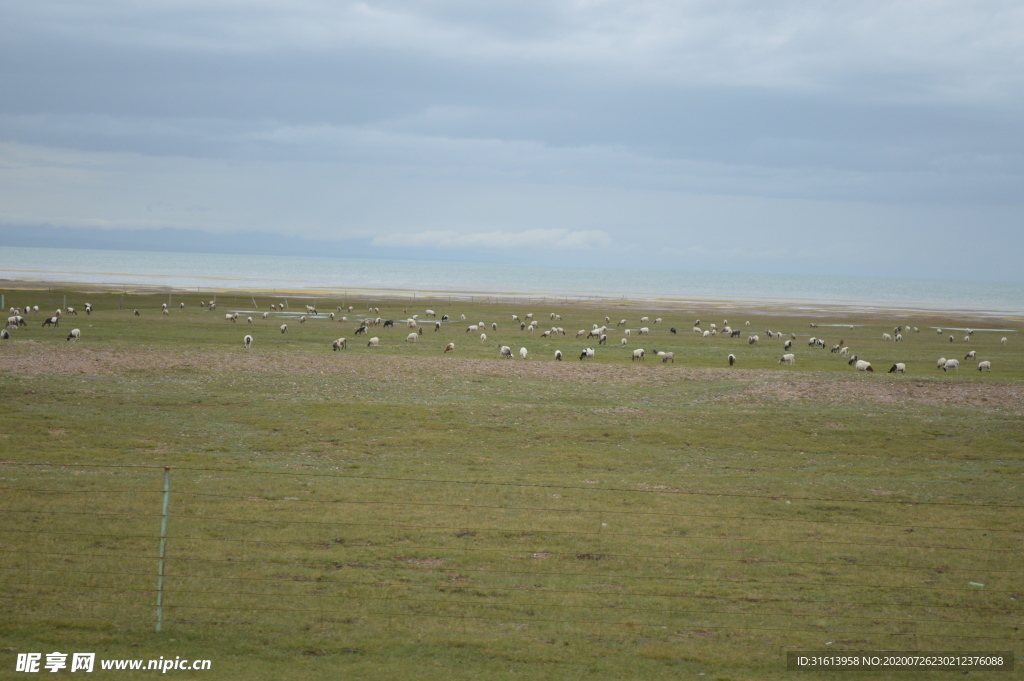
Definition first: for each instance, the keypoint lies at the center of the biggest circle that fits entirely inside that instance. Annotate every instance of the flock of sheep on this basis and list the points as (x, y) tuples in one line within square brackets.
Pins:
[(530, 325)]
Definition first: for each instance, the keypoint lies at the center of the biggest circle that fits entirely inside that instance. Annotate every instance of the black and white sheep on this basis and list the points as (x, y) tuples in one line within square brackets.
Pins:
[(638, 354), (898, 367), (985, 366), (247, 341), (339, 344)]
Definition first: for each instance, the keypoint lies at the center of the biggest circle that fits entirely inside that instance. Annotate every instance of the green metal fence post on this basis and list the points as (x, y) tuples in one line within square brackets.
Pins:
[(163, 550)]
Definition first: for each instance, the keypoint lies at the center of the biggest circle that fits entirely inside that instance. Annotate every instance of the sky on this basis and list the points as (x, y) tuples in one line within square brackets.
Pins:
[(855, 138)]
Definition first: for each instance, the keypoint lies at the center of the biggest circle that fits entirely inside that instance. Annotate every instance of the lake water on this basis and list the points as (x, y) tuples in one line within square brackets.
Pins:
[(338, 275)]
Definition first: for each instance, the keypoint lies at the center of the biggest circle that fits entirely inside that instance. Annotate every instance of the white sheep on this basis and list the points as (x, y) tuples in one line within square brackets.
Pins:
[(986, 365), (529, 329), (494, 326), (746, 323), (373, 342), (339, 344), (732, 359), (75, 334), (697, 329), (886, 337), (644, 330), (752, 340), (249, 319), (515, 318), (657, 320), (273, 306), (72, 310), (898, 368), (246, 341), (181, 306), (266, 314), (229, 317), (450, 347), (88, 308), (644, 320), (472, 328), (844, 351), (588, 353), (622, 322), (971, 355), (284, 327), (522, 352), (505, 351), (788, 358), (412, 338), (302, 319), (558, 355), (667, 357), (431, 313), (626, 333), (941, 363), (624, 342), (706, 334), (951, 364), (864, 366), (166, 312), (483, 338), (967, 339), (529, 316), (4, 334), (1003, 340), (638, 354), (938, 331), (787, 345), (581, 333)]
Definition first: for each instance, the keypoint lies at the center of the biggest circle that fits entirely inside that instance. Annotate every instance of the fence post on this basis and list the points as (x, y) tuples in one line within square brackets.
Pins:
[(163, 547)]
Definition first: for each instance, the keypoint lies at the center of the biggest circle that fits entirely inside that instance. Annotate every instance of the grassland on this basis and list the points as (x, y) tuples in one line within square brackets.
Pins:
[(392, 512)]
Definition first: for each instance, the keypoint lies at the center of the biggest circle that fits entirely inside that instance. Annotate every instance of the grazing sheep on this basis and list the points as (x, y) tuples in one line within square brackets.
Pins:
[(886, 337), (843, 352), (350, 308), (529, 316), (71, 310), (657, 320), (898, 367), (360, 329), (472, 328), (941, 363), (389, 322), (864, 366), (273, 306), (522, 352), (970, 332), (697, 323), (410, 323), (644, 330), (746, 323), (412, 338), (164, 306), (437, 326), (529, 329), (622, 322), (247, 341), (505, 351), (231, 318), (581, 333), (310, 309), (588, 353), (343, 319), (431, 313), (787, 345), (624, 342), (836, 348), (450, 347), (284, 327), (515, 318), (607, 320), (213, 306), (137, 313), (852, 361), (732, 359), (166, 312), (672, 330), (985, 366), (734, 334), (967, 339), (1003, 340), (788, 358), (558, 317), (558, 355), (331, 316), (938, 331), (483, 338), (951, 339), (951, 364), (266, 314), (75, 334), (644, 320), (603, 339), (638, 354), (522, 326), (626, 333), (181, 306), (970, 355), (752, 340), (697, 329), (4, 334), (52, 321), (373, 342), (494, 326), (546, 334), (249, 319), (667, 357), (88, 308), (339, 344)]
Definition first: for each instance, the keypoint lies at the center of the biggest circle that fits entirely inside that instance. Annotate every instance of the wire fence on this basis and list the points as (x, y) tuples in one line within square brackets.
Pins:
[(301, 549)]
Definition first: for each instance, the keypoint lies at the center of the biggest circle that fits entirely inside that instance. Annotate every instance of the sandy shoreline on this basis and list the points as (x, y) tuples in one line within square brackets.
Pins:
[(789, 306)]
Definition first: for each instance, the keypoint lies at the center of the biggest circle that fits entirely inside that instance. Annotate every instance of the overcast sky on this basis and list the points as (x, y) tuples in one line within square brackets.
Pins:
[(882, 138)]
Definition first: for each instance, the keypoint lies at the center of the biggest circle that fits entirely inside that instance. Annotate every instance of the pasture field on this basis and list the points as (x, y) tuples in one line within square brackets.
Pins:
[(395, 512)]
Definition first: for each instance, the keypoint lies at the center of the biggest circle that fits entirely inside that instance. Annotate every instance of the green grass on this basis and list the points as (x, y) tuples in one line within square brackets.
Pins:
[(393, 512)]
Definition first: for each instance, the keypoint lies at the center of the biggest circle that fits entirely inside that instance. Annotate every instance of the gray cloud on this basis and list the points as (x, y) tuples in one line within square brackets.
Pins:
[(456, 120)]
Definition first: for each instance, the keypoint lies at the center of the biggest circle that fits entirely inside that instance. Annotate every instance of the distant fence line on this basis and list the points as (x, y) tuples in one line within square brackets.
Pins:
[(240, 552)]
